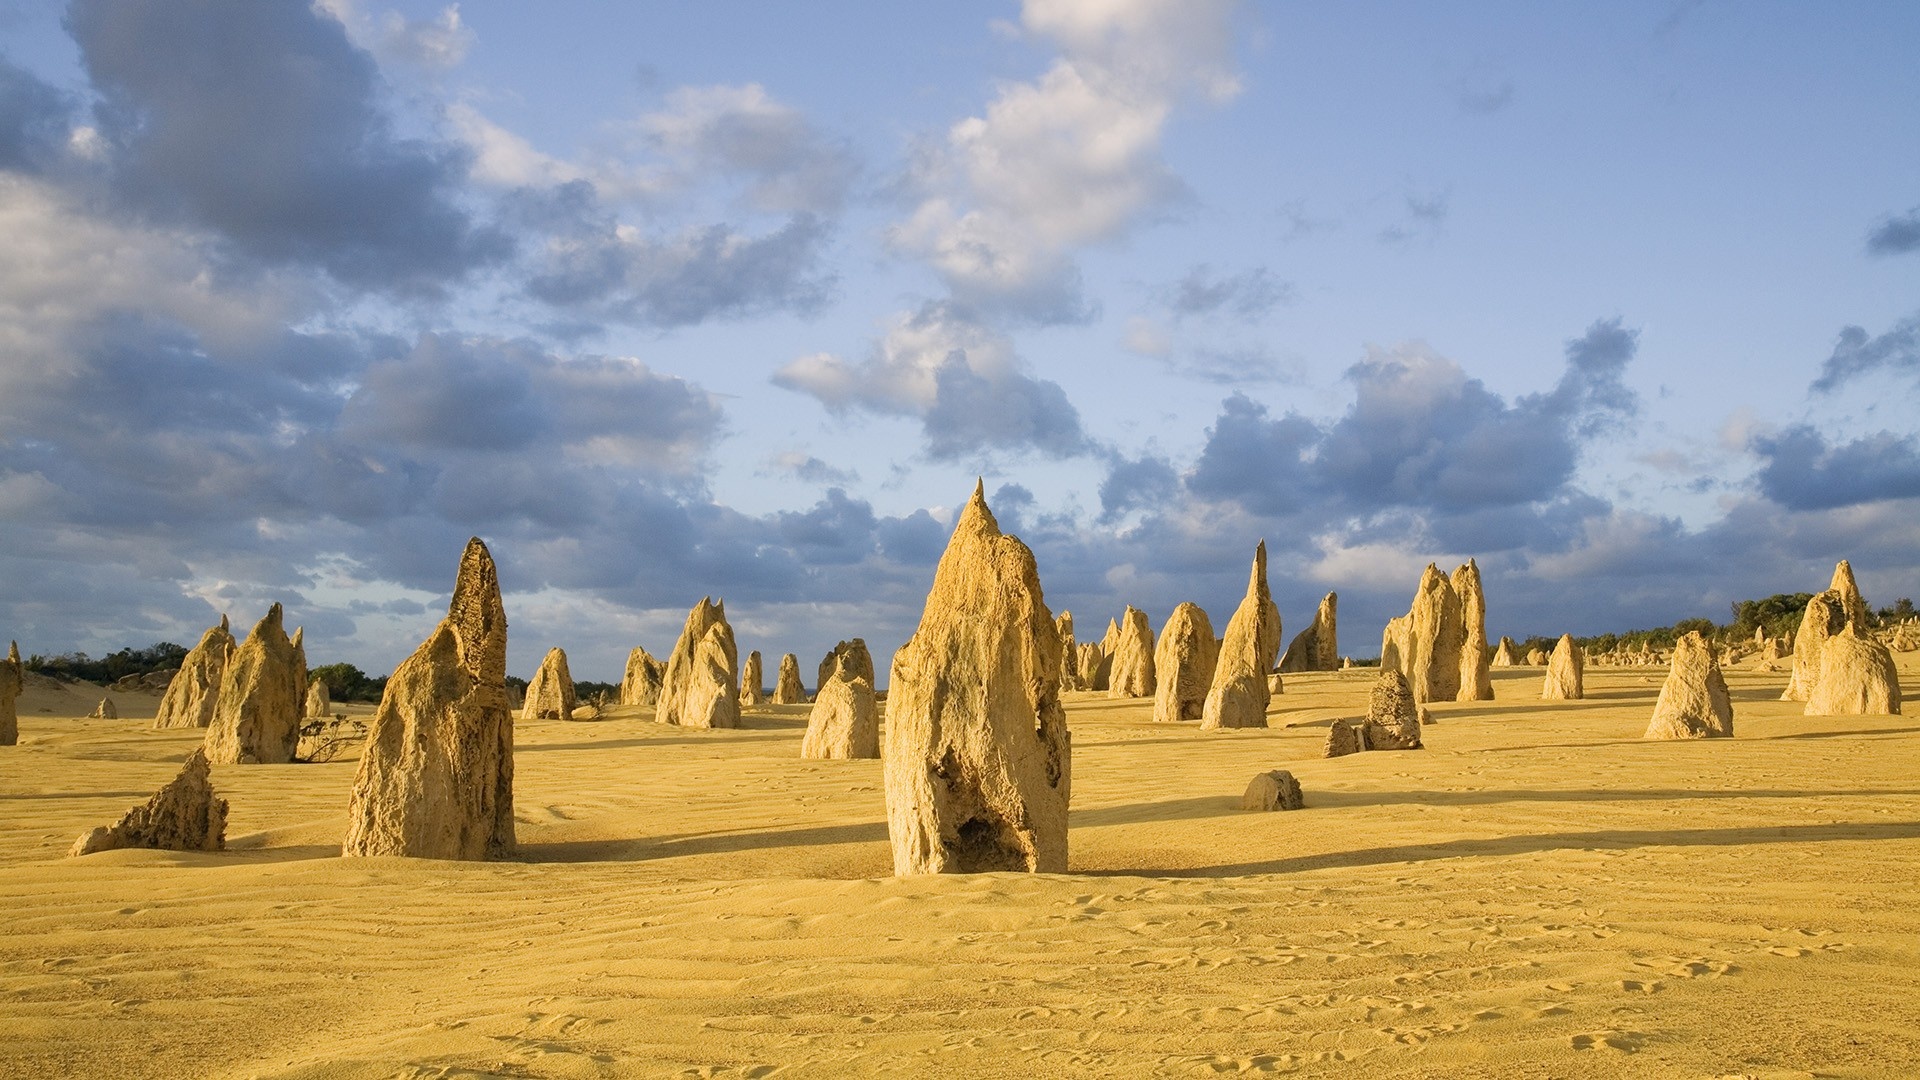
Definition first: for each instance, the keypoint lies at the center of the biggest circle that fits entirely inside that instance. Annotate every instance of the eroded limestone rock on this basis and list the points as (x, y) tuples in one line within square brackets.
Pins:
[(195, 689), (1393, 717), (640, 684), (1824, 617), (319, 700), (1504, 655), (1566, 672), (1857, 678), (860, 661), (845, 723), (185, 815), (1276, 790), (753, 681), (1317, 648), (1132, 675), (787, 689), (105, 710), (1183, 663), (1239, 695), (550, 694), (1070, 677), (256, 719), (1476, 681), (13, 676), (1425, 644), (689, 693), (1693, 702)]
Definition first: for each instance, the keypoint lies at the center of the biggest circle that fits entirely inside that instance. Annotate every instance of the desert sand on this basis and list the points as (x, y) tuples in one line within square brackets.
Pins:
[(1539, 893)]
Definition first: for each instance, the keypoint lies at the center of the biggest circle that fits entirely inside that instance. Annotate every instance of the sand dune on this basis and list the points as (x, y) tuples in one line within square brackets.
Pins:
[(1540, 893)]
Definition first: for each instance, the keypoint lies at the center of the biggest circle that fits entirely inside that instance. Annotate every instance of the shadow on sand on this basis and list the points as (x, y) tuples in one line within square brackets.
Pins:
[(668, 847)]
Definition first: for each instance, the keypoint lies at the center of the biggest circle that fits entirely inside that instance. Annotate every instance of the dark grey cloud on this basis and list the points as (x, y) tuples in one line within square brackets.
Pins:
[(34, 119), (1141, 483), (1248, 294), (1806, 472), (264, 123), (1858, 353), (1896, 234), (811, 470), (1257, 461), (836, 530), (593, 266), (787, 164), (974, 414)]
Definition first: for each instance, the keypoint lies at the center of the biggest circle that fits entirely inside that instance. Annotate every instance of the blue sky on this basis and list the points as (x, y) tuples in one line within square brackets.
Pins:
[(667, 300)]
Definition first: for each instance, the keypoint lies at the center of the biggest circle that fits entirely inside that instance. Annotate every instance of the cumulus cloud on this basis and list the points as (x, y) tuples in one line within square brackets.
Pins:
[(1857, 353), (436, 44), (1138, 483), (958, 376), (1804, 471), (206, 128), (1896, 234), (1068, 159), (34, 119)]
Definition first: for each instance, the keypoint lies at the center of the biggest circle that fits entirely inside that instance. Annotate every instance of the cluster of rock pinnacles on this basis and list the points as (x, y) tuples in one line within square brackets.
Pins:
[(977, 755)]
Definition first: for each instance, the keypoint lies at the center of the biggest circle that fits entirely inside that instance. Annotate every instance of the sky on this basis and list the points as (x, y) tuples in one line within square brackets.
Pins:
[(738, 299)]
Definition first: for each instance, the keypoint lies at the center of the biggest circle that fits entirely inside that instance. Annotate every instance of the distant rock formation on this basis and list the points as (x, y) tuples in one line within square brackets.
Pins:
[(1424, 644), (436, 779), (1857, 678), (105, 710), (1504, 655), (13, 675), (787, 689), (1393, 717), (256, 719), (640, 685), (978, 758), (860, 661), (1566, 672), (1317, 648), (1276, 790), (1183, 664), (1093, 667), (845, 722), (1853, 606), (550, 694), (195, 690), (1693, 702), (1476, 682), (1070, 677), (319, 701), (1132, 675), (753, 681), (1824, 617), (1239, 695), (688, 696), (1111, 641), (1536, 658), (185, 815)]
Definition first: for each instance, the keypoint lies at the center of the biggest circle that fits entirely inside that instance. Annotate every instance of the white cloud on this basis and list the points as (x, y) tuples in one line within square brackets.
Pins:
[(437, 44)]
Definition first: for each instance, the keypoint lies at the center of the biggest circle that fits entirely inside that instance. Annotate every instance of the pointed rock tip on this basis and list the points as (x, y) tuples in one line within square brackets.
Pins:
[(977, 513), (224, 625)]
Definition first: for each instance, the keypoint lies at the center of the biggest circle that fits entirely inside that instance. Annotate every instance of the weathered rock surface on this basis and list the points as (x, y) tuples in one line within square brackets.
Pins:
[(1853, 606), (1857, 678), (319, 700), (195, 689), (1239, 695), (844, 723), (1093, 667), (787, 689), (1393, 717), (1476, 681), (1566, 672), (860, 661), (978, 757), (1132, 675), (436, 778), (146, 682), (1425, 644), (1345, 737), (105, 710), (1824, 617), (1183, 663), (688, 694), (1693, 701), (1276, 790), (185, 815), (1070, 677), (13, 676), (550, 694), (1504, 655), (1317, 648), (640, 684), (1536, 658), (256, 719), (753, 681)]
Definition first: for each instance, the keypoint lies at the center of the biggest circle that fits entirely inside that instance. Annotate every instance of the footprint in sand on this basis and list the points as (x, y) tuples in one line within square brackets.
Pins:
[(1636, 986), (1627, 1042)]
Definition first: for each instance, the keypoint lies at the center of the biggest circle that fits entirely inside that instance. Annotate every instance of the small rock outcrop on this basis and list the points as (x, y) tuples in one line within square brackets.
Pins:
[(640, 685), (978, 757), (436, 778), (1317, 648), (1476, 682), (753, 681), (13, 676), (195, 689), (1093, 666), (859, 661), (185, 815), (691, 693), (550, 694), (1857, 678), (1070, 678), (844, 723), (1393, 717), (1132, 674), (1566, 672), (1239, 695), (1536, 658), (256, 719), (1345, 737), (1276, 790), (1504, 655), (1183, 664), (1824, 617), (319, 700), (787, 689), (105, 710), (1693, 702)]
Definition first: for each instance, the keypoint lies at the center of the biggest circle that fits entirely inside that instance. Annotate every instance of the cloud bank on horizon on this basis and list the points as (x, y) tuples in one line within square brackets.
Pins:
[(297, 297)]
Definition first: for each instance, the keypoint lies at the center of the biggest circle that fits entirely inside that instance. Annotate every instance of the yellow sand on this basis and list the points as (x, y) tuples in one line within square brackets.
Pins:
[(1540, 893)]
